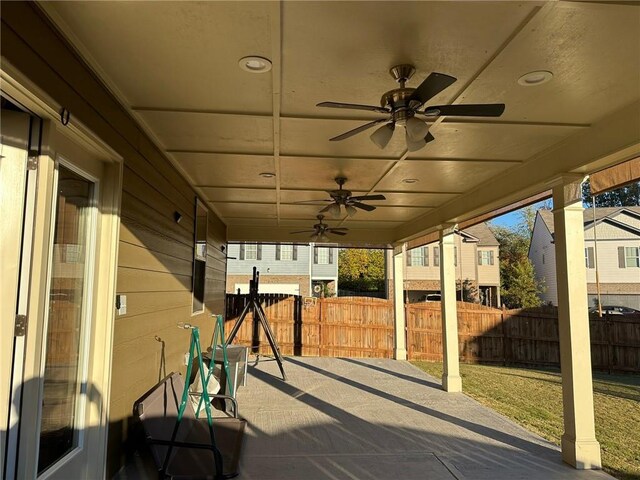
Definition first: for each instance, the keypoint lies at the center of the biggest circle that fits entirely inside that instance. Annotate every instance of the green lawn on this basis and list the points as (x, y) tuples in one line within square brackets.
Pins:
[(533, 398)]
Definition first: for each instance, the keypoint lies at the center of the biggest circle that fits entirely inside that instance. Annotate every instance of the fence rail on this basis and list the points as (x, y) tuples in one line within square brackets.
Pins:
[(364, 327)]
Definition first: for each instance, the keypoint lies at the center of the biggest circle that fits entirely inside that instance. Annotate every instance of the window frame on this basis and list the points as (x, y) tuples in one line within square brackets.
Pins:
[(635, 257)]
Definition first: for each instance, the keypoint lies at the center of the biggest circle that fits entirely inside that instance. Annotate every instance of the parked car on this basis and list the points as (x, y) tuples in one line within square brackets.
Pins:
[(433, 297), (615, 310)]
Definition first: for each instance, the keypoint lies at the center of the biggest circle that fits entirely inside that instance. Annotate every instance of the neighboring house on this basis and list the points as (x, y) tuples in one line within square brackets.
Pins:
[(476, 262), (617, 234), (284, 268)]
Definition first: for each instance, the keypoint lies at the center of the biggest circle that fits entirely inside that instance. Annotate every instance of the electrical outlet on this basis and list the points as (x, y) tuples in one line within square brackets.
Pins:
[(186, 359), (121, 304)]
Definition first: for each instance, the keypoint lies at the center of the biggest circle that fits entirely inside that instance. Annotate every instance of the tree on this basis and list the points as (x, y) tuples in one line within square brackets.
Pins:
[(627, 196), (361, 269), (519, 289)]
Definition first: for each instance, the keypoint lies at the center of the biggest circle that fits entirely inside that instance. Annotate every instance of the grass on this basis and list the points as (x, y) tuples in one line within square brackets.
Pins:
[(533, 398)]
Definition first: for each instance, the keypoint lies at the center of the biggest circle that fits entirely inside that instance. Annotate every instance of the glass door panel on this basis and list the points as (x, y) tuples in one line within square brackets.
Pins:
[(68, 319)]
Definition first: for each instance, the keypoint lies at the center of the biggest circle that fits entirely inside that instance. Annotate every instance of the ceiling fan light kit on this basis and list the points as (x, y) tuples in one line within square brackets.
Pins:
[(401, 105), (382, 135)]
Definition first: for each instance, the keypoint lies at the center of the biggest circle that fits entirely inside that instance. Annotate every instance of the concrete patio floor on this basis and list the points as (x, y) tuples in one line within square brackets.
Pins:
[(339, 418)]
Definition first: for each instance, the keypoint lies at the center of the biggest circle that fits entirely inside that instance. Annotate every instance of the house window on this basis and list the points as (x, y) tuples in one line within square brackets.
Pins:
[(286, 252), (199, 258), (455, 255), (419, 257), (323, 256), (589, 259), (632, 257), (250, 251), (436, 256), (485, 257)]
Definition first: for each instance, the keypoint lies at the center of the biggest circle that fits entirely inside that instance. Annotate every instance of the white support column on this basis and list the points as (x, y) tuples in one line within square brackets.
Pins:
[(400, 339), (451, 381), (579, 445)]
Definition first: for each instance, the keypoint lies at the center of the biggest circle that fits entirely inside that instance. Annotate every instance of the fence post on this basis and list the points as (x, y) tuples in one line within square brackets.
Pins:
[(607, 328), (320, 315), (505, 337)]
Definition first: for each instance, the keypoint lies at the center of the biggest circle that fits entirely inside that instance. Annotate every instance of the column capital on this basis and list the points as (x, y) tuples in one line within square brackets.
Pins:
[(399, 248), (447, 229), (567, 190)]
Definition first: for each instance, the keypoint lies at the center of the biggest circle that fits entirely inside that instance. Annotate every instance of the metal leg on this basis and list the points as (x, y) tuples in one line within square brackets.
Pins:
[(272, 341), (236, 327)]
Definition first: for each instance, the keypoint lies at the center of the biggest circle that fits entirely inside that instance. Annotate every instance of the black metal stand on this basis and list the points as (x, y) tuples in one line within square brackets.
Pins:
[(253, 306)]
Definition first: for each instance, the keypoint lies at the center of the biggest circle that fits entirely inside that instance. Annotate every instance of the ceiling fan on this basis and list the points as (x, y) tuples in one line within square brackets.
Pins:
[(321, 229), (344, 198), (403, 105)]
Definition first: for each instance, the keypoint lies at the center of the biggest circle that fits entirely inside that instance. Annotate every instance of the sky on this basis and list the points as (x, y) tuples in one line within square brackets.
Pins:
[(511, 219)]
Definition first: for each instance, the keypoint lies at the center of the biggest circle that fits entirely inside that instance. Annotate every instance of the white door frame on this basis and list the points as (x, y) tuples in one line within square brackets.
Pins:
[(69, 142)]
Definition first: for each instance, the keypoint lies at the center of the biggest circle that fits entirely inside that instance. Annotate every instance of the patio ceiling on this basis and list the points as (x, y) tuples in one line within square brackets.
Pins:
[(175, 66)]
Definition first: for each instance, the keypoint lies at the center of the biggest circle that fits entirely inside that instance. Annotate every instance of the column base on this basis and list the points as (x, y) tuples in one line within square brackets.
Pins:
[(399, 354), (581, 454), (451, 383)]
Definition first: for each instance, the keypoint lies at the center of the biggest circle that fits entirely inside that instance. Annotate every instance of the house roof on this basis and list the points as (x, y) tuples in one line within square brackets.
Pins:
[(484, 235), (601, 213)]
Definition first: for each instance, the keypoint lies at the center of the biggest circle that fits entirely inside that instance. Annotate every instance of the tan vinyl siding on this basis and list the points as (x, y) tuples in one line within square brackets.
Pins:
[(607, 231), (155, 253), (489, 274)]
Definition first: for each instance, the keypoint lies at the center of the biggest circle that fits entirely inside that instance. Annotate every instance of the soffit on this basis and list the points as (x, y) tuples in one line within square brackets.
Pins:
[(175, 66)]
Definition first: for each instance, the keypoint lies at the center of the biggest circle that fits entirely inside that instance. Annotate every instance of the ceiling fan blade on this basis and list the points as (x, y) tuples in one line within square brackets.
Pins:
[(431, 86), (363, 206), (313, 202), (303, 231), (361, 128), (334, 232), (354, 106), (485, 110), (369, 197)]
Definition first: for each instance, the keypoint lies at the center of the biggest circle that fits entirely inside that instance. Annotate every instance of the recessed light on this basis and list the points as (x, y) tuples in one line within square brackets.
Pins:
[(535, 78), (409, 180), (267, 174), (255, 64)]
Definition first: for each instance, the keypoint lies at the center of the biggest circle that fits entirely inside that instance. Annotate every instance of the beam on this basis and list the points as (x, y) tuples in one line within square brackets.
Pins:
[(579, 445)]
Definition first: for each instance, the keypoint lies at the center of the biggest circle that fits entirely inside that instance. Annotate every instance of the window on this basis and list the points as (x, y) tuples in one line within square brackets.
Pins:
[(629, 257), (250, 251), (199, 257), (286, 252), (436, 256), (455, 255), (589, 258), (418, 257), (323, 256), (485, 257)]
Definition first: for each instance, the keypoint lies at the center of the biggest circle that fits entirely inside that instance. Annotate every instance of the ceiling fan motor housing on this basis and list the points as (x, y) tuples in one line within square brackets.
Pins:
[(398, 100)]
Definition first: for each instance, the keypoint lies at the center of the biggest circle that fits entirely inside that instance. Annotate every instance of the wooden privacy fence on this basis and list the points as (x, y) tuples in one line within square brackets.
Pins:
[(332, 327), (364, 327), (526, 337)]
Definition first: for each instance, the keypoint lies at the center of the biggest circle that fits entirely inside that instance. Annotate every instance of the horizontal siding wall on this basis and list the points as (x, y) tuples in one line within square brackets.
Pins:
[(155, 254)]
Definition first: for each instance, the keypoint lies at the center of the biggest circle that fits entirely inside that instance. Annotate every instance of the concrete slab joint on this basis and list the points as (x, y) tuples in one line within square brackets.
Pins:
[(579, 445), (451, 381)]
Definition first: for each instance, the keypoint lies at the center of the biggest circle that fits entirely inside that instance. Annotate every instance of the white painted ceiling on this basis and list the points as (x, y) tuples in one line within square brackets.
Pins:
[(175, 66)]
